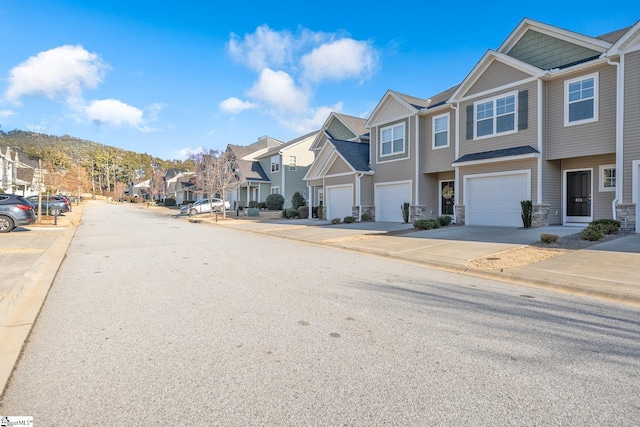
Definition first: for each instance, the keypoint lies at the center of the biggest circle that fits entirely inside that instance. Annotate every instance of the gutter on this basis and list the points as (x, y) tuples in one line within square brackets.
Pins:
[(619, 131)]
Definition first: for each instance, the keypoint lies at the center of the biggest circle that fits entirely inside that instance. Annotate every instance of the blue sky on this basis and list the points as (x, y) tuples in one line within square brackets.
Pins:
[(171, 77)]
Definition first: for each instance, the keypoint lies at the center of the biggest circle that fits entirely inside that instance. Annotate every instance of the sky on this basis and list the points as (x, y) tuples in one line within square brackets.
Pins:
[(170, 78)]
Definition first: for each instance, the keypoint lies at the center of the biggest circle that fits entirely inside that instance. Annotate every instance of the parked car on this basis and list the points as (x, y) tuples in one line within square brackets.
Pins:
[(203, 206), (51, 205), (14, 211)]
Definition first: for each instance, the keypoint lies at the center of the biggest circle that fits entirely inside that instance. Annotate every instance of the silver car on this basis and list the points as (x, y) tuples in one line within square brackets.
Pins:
[(204, 206)]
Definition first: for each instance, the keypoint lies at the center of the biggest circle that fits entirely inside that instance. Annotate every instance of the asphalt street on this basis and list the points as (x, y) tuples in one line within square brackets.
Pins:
[(153, 320)]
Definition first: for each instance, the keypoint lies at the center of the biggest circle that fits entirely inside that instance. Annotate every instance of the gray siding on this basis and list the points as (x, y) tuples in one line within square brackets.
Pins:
[(631, 121), (583, 139), (366, 190), (523, 137), (601, 200), (531, 164), (390, 110), (547, 52), (339, 131), (438, 160), (496, 75), (552, 190)]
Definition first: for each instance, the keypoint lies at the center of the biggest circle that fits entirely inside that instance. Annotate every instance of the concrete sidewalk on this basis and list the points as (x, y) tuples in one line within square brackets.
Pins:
[(609, 270)]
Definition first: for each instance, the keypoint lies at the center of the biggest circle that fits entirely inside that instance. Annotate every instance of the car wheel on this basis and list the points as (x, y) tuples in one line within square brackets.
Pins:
[(54, 211), (6, 224), (193, 211)]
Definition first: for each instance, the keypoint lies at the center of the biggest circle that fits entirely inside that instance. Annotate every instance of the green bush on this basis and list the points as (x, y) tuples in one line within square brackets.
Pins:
[(290, 213), (349, 219), (426, 224), (549, 238), (405, 212), (527, 211), (365, 217), (593, 233), (335, 221), (274, 202), (609, 226), (297, 200), (444, 220), (253, 204), (303, 212), (170, 202)]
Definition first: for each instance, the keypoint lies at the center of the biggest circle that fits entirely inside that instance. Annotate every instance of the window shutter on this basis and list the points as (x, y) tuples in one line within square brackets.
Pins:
[(470, 121), (523, 109)]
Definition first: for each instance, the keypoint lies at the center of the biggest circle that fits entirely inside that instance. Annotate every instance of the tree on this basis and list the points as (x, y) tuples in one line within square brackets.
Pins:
[(215, 175)]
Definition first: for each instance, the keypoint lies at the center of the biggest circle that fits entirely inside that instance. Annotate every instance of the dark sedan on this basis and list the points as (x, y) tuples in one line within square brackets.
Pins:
[(15, 211), (51, 205)]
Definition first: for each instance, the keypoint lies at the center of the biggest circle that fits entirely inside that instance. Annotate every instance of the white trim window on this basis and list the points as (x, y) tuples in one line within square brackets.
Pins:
[(495, 116), (440, 125), (275, 164), (392, 140), (607, 178), (275, 190), (581, 100), (292, 163)]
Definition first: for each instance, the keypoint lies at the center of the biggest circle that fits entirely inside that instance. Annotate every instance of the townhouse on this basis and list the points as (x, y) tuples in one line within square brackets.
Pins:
[(551, 116)]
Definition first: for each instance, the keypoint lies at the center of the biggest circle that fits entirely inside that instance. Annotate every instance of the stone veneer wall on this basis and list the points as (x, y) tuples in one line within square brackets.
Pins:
[(626, 214), (371, 210), (540, 216), (417, 212), (459, 215)]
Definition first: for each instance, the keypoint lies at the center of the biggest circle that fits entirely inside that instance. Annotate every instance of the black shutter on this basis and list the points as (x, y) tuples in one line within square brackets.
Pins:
[(470, 121), (523, 109)]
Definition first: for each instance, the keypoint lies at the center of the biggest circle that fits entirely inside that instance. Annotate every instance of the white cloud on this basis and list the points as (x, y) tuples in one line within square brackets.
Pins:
[(339, 60), (278, 91), (115, 113), (312, 120), (189, 153), (6, 113), (63, 71), (263, 49), (235, 105)]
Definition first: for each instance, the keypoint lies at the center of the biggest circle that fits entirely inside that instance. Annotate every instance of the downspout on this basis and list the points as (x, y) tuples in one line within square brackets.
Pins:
[(359, 195), (456, 177), (416, 196), (540, 144), (619, 130), (283, 192), (310, 193)]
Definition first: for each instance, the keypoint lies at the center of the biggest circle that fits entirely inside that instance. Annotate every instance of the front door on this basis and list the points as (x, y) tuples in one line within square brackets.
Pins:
[(446, 198), (579, 196)]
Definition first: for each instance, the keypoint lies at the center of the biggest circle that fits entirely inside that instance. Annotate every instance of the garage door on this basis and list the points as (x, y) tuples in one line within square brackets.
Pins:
[(495, 200), (389, 201), (339, 201)]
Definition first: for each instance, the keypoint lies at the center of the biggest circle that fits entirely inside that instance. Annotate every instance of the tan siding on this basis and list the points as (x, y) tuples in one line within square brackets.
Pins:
[(496, 75), (339, 166), (428, 196), (315, 182), (440, 159), (447, 176), (523, 137), (552, 190), (340, 180), (530, 164), (366, 190), (601, 200), (631, 121), (397, 170), (588, 138), (391, 110)]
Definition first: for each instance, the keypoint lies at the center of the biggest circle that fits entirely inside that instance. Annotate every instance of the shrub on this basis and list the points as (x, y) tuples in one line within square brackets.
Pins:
[(549, 238), (297, 200), (349, 219), (253, 204), (592, 233), (609, 226), (527, 211), (303, 212), (170, 202), (274, 202), (444, 220), (365, 217), (262, 206), (290, 213), (335, 221), (405, 212), (426, 224)]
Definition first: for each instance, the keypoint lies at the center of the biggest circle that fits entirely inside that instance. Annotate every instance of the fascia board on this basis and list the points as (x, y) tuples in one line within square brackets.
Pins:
[(629, 36), (371, 122)]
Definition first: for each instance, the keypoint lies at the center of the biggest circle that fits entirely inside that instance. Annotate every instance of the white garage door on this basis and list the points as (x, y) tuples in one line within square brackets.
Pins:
[(389, 201), (339, 201), (495, 200)]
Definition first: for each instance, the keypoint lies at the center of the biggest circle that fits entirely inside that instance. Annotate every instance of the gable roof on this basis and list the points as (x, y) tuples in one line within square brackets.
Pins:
[(248, 152), (355, 154), (289, 144), (629, 36), (251, 170), (411, 104), (354, 125)]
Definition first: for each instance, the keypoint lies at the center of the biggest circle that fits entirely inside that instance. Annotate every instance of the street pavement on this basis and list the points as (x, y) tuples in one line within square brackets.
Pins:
[(31, 257)]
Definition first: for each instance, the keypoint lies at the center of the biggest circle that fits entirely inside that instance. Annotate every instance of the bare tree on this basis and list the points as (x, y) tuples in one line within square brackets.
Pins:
[(215, 175)]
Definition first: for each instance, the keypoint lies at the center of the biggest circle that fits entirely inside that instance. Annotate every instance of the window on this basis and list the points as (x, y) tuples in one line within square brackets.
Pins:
[(441, 131), (581, 100), (495, 116), (392, 140), (275, 163), (275, 190), (292, 163), (607, 178)]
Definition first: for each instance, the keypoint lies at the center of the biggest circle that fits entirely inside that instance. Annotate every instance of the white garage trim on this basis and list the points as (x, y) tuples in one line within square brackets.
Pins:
[(635, 190), (339, 200), (512, 219), (388, 206)]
